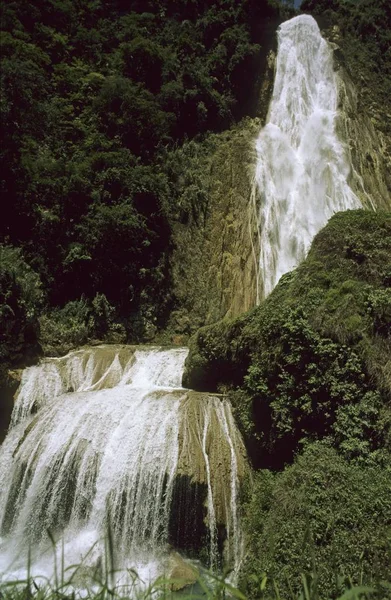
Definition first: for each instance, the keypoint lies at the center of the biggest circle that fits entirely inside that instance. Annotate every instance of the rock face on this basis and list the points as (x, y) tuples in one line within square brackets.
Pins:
[(368, 147), (181, 572), (9, 384), (215, 262)]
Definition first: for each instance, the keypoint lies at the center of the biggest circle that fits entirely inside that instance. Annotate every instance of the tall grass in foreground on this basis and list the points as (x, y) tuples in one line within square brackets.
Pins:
[(208, 587), (102, 584)]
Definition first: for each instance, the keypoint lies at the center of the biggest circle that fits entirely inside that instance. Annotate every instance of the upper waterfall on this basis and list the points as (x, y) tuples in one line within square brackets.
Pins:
[(106, 438), (302, 171)]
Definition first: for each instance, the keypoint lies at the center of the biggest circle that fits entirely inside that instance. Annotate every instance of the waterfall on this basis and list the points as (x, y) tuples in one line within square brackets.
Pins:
[(106, 439), (302, 172)]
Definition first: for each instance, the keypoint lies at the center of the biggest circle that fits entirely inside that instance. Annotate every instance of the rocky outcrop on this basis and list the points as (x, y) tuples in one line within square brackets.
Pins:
[(368, 145), (215, 263), (9, 383), (368, 149), (180, 572)]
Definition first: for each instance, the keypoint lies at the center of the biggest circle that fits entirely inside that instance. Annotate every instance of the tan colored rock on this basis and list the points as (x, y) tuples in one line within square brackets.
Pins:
[(206, 421), (359, 116), (215, 263), (179, 340), (368, 148), (15, 376), (181, 572)]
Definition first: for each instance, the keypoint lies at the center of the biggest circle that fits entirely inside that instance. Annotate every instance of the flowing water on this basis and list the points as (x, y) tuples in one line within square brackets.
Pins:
[(106, 439), (105, 444), (302, 171)]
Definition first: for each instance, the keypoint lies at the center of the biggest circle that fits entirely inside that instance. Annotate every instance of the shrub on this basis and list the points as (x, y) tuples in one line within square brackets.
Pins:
[(21, 298), (65, 328), (324, 517), (311, 361)]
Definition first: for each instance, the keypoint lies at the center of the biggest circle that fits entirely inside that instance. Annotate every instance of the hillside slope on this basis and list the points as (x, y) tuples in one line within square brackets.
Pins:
[(313, 360), (308, 373)]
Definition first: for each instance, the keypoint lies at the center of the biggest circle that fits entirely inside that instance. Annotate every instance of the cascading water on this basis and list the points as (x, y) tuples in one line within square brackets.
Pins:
[(301, 174), (107, 439)]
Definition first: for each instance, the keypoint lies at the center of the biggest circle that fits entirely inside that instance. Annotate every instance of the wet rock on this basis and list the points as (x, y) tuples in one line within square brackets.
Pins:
[(9, 383), (215, 262), (181, 572)]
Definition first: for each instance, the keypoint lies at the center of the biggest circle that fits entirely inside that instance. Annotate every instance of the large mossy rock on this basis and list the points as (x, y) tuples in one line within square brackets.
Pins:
[(314, 360)]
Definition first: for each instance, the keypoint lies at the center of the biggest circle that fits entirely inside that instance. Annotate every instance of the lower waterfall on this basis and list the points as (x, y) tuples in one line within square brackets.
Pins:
[(302, 171), (106, 439)]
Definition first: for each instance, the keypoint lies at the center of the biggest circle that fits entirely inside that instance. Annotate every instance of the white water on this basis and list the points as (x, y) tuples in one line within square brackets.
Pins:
[(301, 174), (97, 440)]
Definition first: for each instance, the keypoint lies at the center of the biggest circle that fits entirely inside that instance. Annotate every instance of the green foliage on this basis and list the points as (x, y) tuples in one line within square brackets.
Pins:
[(219, 355), (379, 307), (307, 373), (102, 315), (77, 323), (188, 170), (21, 298), (311, 361), (324, 517), (65, 328), (96, 100), (305, 386)]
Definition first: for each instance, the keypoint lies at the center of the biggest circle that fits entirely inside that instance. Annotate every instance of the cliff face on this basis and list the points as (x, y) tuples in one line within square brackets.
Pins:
[(368, 149), (362, 125), (215, 263)]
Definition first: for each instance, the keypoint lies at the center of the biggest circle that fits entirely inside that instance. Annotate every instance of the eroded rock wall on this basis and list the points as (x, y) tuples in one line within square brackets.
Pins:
[(215, 262), (364, 125), (369, 149)]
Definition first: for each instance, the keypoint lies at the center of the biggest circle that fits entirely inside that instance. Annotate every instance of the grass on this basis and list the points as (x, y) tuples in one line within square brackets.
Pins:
[(208, 586)]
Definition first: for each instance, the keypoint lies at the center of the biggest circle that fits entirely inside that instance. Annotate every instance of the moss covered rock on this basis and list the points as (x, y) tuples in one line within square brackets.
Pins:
[(313, 360)]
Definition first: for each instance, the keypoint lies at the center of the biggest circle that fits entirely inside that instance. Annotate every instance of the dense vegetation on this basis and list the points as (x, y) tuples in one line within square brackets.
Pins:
[(325, 520), (313, 360), (100, 102), (96, 97), (308, 373), (106, 113), (366, 45)]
